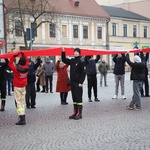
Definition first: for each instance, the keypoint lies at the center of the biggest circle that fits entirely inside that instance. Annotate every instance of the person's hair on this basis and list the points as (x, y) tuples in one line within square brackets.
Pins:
[(22, 61)]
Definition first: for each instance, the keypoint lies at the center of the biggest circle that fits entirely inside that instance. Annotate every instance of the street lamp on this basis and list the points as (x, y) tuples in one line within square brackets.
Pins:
[(14, 45)]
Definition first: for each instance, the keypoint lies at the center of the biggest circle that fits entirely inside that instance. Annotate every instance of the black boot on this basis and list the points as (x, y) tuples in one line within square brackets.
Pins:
[(3, 105), (75, 112), (22, 120), (43, 89), (79, 114)]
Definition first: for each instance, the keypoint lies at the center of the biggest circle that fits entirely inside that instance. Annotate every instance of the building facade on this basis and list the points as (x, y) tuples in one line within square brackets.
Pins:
[(72, 26)]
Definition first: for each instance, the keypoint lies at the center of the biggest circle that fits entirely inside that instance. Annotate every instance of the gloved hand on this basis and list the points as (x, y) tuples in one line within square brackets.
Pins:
[(22, 53), (16, 54)]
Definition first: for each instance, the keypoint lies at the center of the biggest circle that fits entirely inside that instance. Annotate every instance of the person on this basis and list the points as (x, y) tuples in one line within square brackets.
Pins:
[(41, 78), (62, 78), (137, 75), (103, 69), (20, 81), (3, 66), (144, 59), (30, 87), (91, 72), (9, 79), (77, 77), (119, 72), (48, 69)]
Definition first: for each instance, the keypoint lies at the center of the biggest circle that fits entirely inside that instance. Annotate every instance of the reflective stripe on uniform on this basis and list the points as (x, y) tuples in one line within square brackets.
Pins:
[(74, 103), (3, 99), (20, 109), (80, 104)]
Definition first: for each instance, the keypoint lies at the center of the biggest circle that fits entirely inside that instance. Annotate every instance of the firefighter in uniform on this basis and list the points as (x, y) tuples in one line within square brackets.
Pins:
[(77, 77), (3, 66), (20, 81)]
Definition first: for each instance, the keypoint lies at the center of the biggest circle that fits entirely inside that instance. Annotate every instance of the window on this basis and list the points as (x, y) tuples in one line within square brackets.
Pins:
[(52, 30), (18, 29), (64, 30), (114, 29), (34, 29), (145, 32), (99, 32), (134, 31), (75, 31), (125, 30), (85, 32)]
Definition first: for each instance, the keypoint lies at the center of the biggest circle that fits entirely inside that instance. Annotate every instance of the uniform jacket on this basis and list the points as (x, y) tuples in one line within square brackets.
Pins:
[(62, 76), (20, 78), (77, 68)]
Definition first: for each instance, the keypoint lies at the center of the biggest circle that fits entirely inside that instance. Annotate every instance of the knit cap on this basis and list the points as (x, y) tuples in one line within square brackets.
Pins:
[(137, 59), (22, 61)]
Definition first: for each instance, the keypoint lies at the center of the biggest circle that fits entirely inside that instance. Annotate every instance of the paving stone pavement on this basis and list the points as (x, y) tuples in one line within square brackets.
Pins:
[(106, 125)]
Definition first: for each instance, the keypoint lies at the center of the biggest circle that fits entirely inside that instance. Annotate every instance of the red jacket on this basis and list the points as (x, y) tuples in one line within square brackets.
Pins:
[(62, 76), (20, 79)]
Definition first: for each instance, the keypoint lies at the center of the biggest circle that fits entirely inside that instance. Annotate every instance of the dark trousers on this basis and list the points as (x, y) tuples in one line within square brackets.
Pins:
[(63, 96), (76, 92), (50, 80), (3, 89), (146, 86), (38, 85), (30, 94), (92, 83), (10, 86)]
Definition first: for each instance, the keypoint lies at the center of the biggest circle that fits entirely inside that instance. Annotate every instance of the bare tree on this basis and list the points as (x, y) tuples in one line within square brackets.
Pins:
[(20, 10)]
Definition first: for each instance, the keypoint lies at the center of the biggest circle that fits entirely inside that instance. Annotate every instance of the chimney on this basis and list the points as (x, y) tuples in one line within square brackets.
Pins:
[(74, 3)]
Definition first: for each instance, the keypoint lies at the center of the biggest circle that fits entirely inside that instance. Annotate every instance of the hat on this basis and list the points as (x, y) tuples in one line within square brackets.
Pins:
[(77, 50), (47, 58), (22, 61), (137, 59)]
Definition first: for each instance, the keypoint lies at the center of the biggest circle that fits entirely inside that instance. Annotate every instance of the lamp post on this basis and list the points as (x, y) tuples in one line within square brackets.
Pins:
[(14, 45)]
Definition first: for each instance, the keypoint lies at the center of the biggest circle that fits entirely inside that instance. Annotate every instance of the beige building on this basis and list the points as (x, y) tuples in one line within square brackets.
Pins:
[(126, 29), (140, 7), (73, 26)]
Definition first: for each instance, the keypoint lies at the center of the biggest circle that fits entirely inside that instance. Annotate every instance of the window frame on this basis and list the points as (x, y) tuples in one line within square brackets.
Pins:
[(75, 31), (125, 30), (18, 28), (114, 29), (52, 30), (85, 32)]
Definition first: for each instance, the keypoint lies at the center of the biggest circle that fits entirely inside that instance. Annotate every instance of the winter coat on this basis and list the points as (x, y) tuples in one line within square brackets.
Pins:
[(40, 75), (119, 68), (137, 71), (62, 76), (103, 67), (3, 66), (9, 74), (48, 68)]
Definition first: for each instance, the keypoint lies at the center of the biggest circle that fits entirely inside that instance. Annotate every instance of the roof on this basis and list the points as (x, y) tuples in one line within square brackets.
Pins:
[(87, 8), (122, 13)]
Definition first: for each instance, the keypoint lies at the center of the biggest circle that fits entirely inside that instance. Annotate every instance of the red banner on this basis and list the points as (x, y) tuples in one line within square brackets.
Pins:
[(70, 52)]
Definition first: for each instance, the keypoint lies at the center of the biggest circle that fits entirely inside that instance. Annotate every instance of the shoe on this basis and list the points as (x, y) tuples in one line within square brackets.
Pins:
[(9, 95), (33, 107), (64, 103), (51, 92), (137, 108), (97, 100), (2, 109), (90, 100), (115, 97), (130, 108), (147, 95), (142, 95), (28, 107), (106, 85), (42, 91), (123, 97)]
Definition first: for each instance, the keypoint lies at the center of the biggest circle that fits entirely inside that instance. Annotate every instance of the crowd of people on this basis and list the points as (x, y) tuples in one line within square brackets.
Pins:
[(25, 77)]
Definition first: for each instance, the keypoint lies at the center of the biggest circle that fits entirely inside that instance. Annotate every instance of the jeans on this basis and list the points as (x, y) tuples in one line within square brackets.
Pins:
[(103, 75)]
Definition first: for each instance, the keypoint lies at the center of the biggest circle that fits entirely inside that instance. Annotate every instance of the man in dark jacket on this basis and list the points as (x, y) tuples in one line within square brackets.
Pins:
[(77, 77), (137, 75), (119, 72), (91, 72), (30, 88), (3, 66)]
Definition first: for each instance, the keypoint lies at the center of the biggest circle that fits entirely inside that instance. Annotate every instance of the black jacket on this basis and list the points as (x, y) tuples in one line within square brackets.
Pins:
[(3, 66), (91, 66), (119, 68), (137, 71), (77, 68)]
